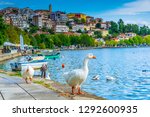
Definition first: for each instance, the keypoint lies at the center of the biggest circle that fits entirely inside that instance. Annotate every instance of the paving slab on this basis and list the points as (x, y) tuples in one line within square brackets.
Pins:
[(41, 93), (13, 88)]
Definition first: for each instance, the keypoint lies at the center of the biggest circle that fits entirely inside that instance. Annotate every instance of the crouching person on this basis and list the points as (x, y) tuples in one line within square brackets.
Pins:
[(43, 71)]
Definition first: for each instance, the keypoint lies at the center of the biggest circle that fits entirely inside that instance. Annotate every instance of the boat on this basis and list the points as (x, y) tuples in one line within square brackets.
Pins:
[(18, 66), (34, 58), (50, 54)]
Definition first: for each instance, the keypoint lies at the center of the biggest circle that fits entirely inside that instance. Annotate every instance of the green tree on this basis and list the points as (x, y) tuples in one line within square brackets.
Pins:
[(79, 31), (147, 39), (76, 20), (83, 21), (128, 28), (114, 28), (98, 34), (13, 35), (57, 41), (121, 26), (51, 31), (42, 46), (33, 29), (64, 39), (75, 40), (87, 40), (144, 30), (98, 25), (3, 27), (135, 28), (33, 41)]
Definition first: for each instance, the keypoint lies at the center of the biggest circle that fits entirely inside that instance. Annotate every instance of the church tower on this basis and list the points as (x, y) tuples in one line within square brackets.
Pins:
[(50, 8)]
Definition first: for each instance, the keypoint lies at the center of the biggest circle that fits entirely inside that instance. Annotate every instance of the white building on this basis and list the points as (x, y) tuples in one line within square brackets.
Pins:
[(17, 20), (105, 25), (126, 36), (130, 35), (61, 28), (42, 21), (37, 20), (78, 27)]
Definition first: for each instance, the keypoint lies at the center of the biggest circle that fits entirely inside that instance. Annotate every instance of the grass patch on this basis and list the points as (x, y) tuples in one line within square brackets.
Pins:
[(15, 74), (47, 85)]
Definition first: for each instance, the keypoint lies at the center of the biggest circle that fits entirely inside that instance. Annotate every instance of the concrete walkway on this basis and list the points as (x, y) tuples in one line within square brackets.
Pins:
[(13, 88)]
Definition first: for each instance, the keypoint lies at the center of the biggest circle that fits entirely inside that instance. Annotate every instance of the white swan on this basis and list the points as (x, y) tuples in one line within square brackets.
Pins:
[(95, 77), (76, 77), (28, 73)]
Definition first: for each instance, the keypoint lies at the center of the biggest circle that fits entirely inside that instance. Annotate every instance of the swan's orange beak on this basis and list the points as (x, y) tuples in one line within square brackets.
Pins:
[(94, 57)]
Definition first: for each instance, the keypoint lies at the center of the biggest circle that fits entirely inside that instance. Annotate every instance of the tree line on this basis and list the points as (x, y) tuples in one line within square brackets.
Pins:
[(60, 40), (135, 41), (120, 27)]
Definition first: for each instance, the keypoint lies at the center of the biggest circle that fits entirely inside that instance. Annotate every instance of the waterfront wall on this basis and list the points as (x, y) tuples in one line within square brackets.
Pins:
[(4, 57)]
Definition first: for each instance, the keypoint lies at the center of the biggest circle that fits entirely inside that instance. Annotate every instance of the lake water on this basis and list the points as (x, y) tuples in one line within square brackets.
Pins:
[(130, 68)]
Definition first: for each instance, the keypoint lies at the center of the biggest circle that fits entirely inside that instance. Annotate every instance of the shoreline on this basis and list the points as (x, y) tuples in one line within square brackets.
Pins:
[(63, 90), (89, 48)]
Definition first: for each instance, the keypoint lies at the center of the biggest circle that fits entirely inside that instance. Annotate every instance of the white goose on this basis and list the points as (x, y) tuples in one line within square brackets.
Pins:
[(28, 73), (76, 77)]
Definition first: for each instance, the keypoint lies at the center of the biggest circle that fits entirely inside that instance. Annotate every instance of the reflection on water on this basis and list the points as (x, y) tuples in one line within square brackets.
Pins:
[(125, 65)]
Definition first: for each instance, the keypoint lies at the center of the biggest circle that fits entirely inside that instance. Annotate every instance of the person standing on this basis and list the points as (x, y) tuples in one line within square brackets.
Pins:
[(43, 71)]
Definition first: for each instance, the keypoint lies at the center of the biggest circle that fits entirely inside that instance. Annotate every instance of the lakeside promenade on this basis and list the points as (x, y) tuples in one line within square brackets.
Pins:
[(8, 56), (15, 88)]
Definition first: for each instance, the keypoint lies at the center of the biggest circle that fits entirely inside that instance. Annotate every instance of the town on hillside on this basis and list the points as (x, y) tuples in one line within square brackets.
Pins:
[(105, 33)]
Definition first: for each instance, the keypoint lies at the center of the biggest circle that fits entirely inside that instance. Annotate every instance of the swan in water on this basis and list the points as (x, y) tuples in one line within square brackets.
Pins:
[(28, 73), (109, 78), (76, 77), (95, 77)]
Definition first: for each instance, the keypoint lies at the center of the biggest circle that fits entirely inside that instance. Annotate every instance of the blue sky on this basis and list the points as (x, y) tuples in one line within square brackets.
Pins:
[(131, 11)]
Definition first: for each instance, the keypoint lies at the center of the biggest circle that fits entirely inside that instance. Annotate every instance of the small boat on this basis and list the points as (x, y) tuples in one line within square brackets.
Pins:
[(18, 66), (49, 54), (34, 58), (52, 55)]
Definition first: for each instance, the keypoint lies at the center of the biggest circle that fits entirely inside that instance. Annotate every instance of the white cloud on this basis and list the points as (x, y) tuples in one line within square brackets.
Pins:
[(138, 22), (6, 3), (132, 8)]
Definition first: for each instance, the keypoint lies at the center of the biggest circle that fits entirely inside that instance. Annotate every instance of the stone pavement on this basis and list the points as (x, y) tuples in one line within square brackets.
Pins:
[(13, 88)]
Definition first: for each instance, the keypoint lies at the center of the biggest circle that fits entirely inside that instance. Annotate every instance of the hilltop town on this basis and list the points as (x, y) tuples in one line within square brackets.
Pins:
[(104, 33), (59, 21)]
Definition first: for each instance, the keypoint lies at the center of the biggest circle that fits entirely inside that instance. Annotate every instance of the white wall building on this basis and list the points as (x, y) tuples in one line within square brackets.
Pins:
[(78, 27), (130, 35), (61, 28)]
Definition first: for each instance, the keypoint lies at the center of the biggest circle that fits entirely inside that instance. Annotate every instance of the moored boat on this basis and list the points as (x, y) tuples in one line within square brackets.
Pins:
[(52, 56), (18, 66), (35, 58)]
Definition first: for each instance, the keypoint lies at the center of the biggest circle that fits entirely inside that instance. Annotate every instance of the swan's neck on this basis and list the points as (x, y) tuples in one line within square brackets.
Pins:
[(85, 64)]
